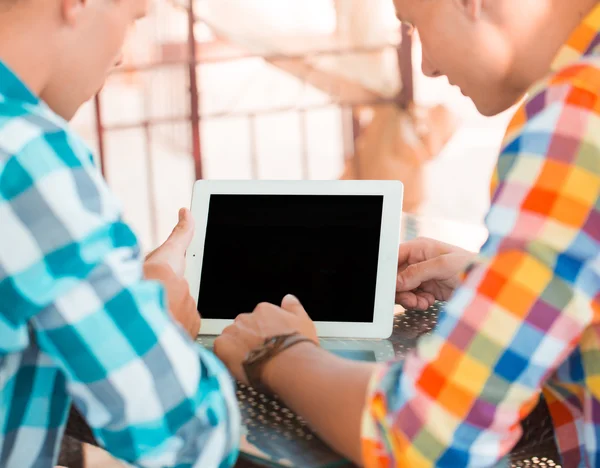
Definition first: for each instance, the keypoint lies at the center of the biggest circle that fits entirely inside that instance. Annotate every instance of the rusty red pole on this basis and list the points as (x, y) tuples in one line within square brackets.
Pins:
[(406, 95), (194, 97), (100, 134)]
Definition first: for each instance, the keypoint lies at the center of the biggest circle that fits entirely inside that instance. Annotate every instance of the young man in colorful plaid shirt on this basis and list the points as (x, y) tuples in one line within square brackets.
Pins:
[(524, 316), (78, 321)]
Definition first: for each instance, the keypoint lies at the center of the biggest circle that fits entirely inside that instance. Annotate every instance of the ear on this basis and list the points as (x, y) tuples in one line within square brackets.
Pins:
[(72, 9)]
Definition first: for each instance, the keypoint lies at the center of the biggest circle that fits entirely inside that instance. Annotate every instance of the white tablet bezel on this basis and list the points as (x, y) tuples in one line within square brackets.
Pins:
[(392, 192), (383, 349)]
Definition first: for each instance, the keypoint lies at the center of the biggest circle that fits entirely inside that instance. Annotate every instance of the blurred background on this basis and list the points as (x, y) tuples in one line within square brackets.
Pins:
[(286, 89)]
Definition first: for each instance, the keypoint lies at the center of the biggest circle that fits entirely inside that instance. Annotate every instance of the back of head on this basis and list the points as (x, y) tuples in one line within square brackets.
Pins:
[(64, 49)]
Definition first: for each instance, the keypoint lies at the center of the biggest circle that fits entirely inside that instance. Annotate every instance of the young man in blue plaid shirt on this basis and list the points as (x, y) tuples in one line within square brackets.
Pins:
[(83, 319)]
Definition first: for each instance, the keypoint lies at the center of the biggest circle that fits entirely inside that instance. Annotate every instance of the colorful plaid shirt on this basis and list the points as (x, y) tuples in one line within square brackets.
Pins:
[(526, 319), (79, 324)]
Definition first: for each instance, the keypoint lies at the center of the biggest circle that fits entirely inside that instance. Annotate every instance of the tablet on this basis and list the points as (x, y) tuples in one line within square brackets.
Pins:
[(333, 244)]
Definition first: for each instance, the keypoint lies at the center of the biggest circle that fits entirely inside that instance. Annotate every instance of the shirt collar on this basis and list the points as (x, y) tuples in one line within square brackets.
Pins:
[(584, 40), (11, 86)]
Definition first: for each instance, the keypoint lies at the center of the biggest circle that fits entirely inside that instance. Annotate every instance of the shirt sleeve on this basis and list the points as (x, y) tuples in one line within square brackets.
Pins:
[(458, 398), (151, 396)]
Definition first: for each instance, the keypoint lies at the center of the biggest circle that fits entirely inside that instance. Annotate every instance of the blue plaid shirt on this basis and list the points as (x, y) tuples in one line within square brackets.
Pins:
[(79, 324)]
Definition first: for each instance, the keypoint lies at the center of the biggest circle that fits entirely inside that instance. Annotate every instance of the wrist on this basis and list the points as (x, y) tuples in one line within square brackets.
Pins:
[(275, 369)]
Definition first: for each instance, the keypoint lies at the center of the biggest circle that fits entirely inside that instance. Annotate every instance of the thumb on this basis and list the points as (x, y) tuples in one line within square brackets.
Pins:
[(414, 275), (291, 304), (182, 234)]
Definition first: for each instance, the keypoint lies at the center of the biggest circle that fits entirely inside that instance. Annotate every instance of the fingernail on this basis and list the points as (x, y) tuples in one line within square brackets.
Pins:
[(290, 298), (181, 214)]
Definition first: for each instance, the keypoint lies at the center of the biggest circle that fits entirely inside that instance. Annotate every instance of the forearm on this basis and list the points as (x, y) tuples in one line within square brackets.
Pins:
[(180, 303), (327, 391), (163, 274)]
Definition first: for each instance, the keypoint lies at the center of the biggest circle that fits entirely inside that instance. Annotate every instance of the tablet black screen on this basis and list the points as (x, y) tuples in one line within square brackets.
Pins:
[(322, 248)]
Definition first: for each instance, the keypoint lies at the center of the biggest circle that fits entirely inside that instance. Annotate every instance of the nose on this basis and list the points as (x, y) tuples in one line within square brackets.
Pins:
[(428, 69)]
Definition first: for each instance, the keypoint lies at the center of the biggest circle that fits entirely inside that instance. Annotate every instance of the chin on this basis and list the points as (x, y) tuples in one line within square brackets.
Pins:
[(69, 114), (489, 108), (495, 102), (489, 111)]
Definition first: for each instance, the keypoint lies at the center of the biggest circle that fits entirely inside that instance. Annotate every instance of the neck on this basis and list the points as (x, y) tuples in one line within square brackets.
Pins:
[(555, 21), (28, 54)]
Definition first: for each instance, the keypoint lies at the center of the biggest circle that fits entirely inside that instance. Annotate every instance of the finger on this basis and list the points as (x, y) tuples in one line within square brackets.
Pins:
[(404, 253), (243, 330), (408, 300), (242, 337), (292, 304), (247, 333), (230, 330), (415, 300), (414, 275), (242, 318), (265, 308), (412, 301), (247, 329), (220, 345), (411, 250), (422, 303), (182, 234), (430, 298)]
